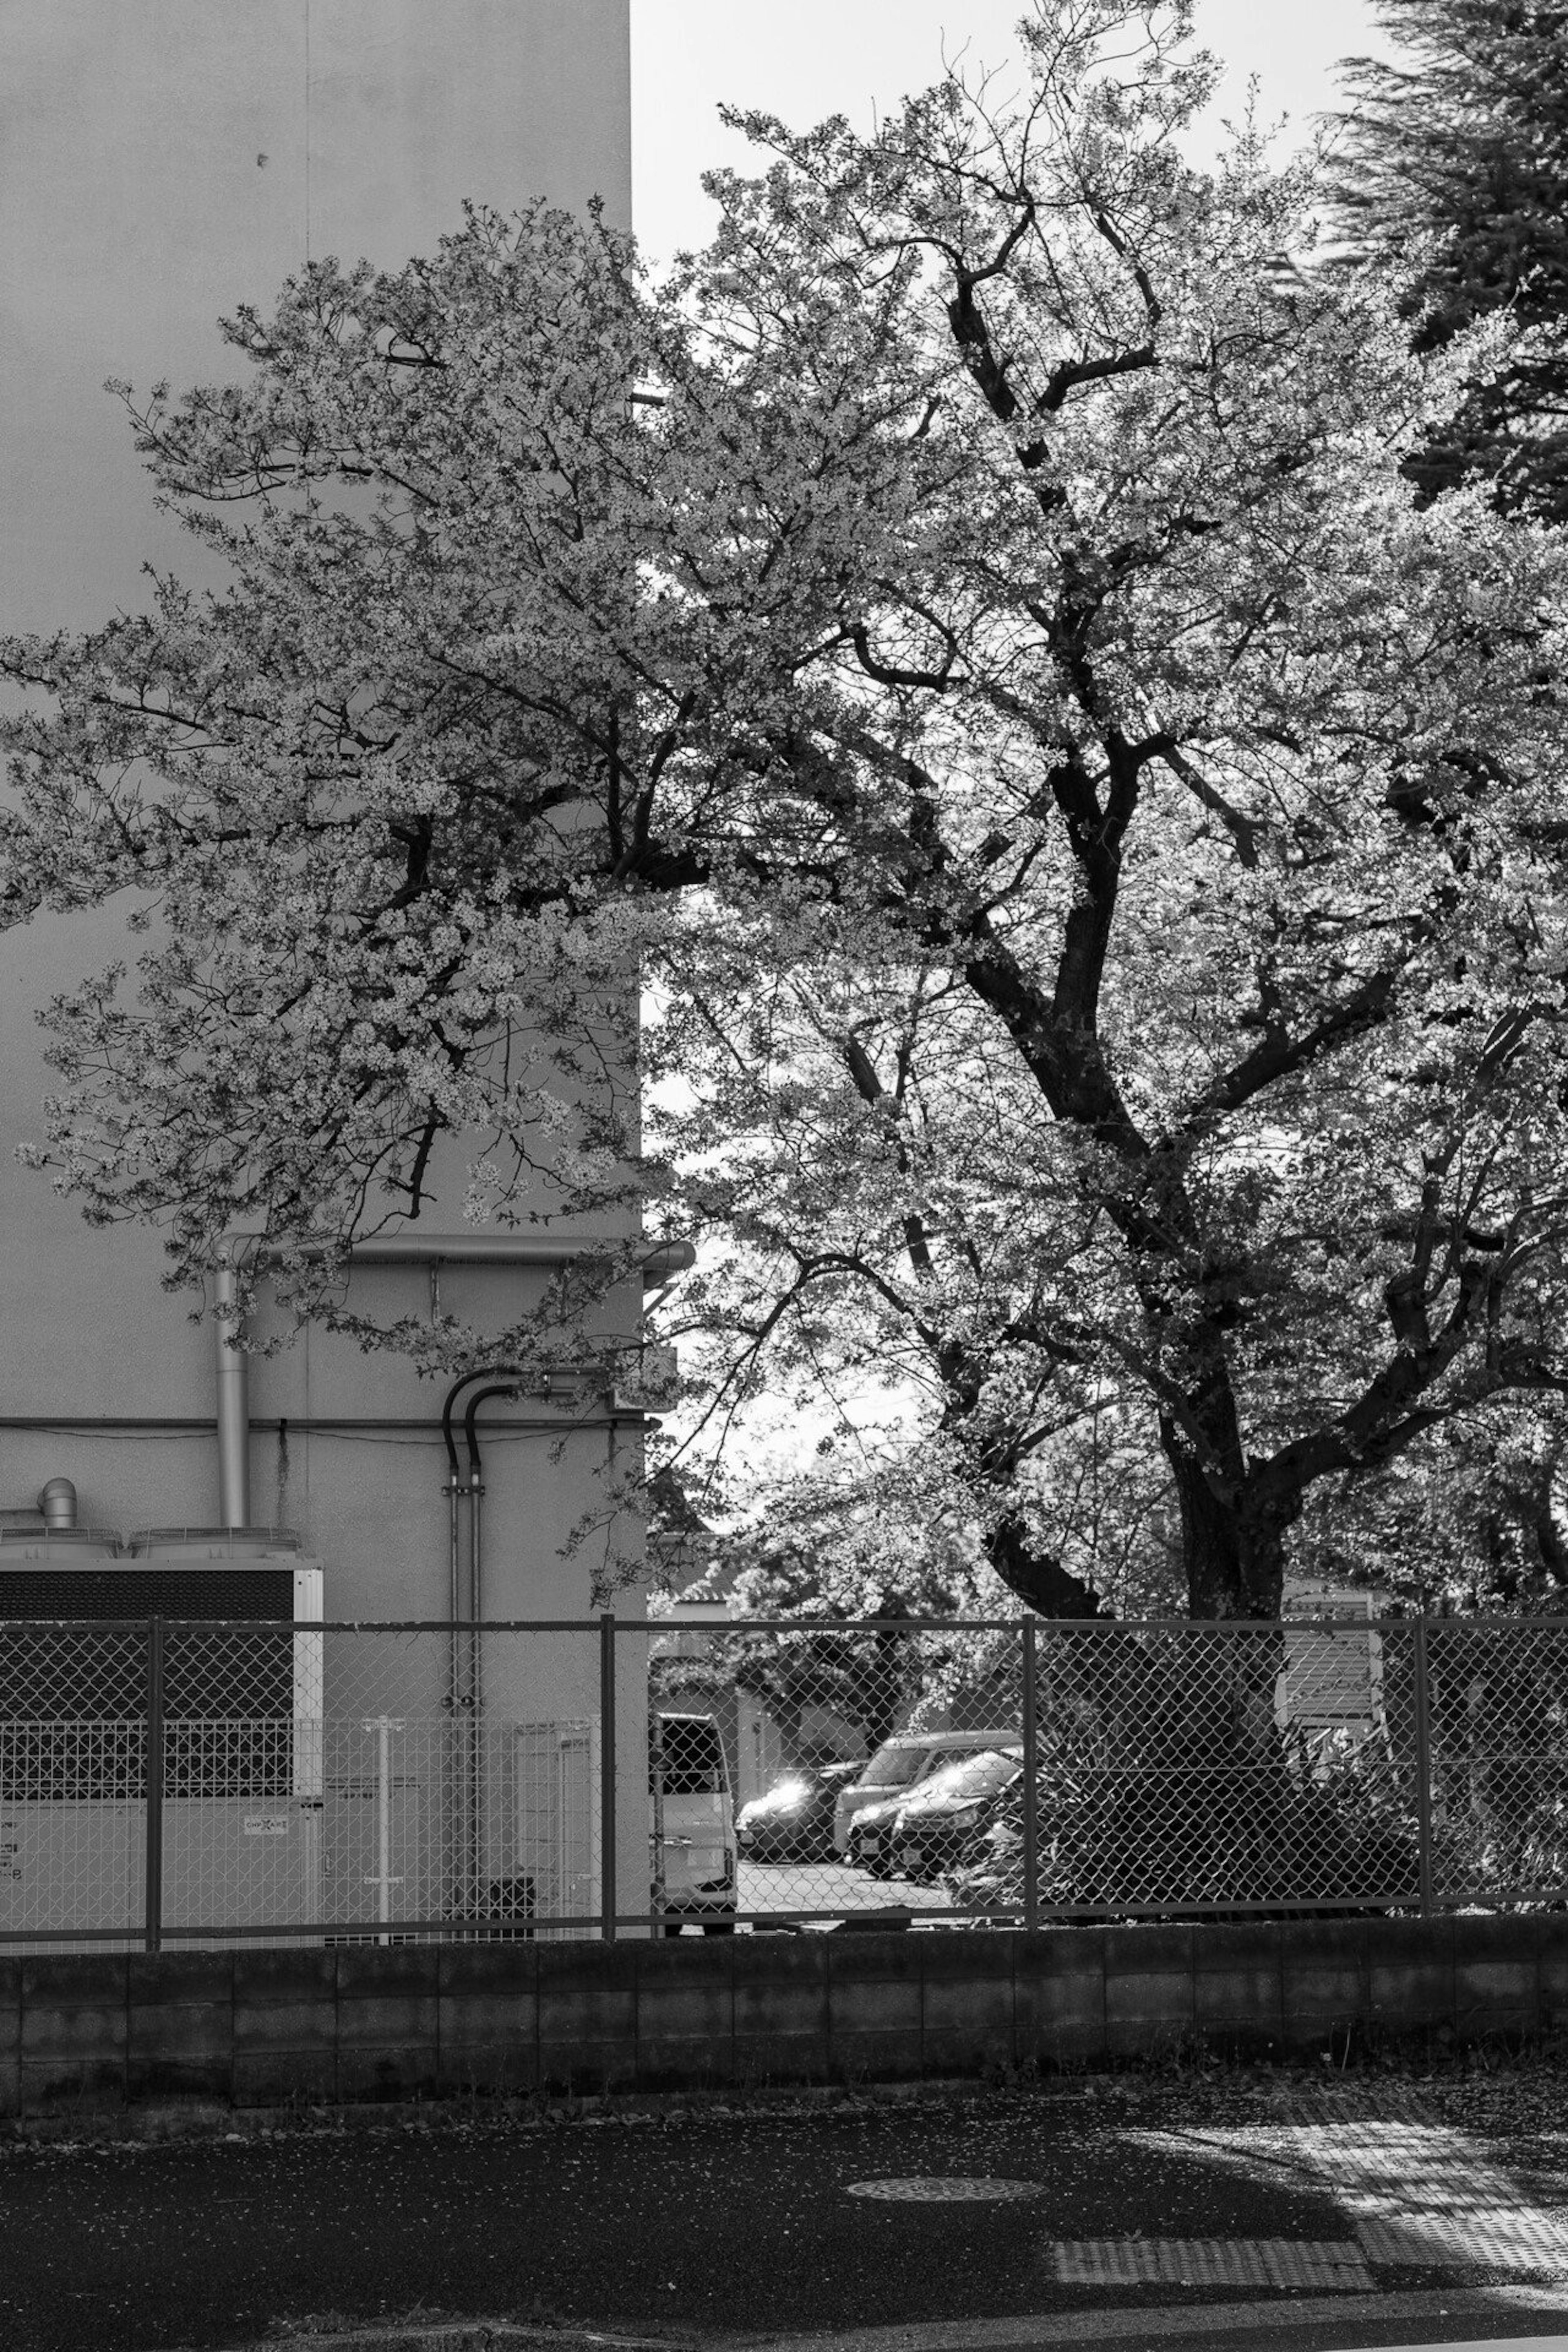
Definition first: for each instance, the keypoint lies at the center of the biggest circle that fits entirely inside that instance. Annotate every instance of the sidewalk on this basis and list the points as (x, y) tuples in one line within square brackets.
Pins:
[(1123, 2211)]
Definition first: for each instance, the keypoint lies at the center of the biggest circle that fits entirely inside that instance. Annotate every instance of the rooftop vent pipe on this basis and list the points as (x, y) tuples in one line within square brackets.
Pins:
[(57, 1504)]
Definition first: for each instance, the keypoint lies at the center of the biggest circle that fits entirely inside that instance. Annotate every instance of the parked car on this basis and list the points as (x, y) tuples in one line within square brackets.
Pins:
[(871, 1837), (693, 1825), (938, 1827), (899, 1763), (792, 1820)]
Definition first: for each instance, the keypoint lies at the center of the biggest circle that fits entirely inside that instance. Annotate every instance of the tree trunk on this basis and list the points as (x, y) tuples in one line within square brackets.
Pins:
[(1037, 1578), (888, 1685), (1233, 1550)]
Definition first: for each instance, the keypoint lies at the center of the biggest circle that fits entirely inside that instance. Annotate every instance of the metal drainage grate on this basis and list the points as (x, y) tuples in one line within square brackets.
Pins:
[(1212, 2262), (1511, 2238), (939, 2190)]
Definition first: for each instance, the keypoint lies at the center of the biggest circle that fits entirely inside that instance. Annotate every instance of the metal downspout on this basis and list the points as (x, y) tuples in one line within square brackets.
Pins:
[(454, 1580), (233, 1367), (476, 1638), (460, 1702)]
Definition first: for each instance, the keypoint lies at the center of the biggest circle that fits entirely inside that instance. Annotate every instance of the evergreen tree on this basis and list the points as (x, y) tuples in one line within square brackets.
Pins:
[(1465, 139)]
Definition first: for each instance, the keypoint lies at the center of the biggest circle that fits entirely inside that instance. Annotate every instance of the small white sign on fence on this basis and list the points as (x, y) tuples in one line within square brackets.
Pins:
[(1332, 1682)]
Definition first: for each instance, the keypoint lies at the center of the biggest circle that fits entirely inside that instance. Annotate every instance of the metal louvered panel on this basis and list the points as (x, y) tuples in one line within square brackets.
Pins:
[(139, 1589), (73, 1699)]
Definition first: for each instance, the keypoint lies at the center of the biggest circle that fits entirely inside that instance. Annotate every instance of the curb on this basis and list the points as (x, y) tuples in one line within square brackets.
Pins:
[(1294, 2099), (467, 2335), (207, 2119)]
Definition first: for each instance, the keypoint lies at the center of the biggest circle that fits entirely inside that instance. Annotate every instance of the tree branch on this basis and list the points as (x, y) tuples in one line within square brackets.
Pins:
[(1280, 1055)]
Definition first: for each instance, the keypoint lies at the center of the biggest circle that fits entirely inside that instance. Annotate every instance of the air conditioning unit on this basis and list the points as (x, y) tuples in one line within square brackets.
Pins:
[(240, 1736)]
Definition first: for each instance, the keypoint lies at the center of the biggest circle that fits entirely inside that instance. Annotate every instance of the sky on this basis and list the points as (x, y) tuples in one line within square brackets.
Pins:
[(809, 58)]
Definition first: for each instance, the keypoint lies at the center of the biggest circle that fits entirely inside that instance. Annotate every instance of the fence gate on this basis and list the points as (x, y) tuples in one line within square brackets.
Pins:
[(557, 1779)]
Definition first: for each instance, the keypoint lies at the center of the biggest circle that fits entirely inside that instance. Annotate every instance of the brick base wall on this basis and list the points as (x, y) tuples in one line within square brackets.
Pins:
[(84, 2033)]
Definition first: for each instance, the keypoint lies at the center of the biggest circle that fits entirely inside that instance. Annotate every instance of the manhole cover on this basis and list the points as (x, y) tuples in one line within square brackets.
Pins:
[(938, 2191)]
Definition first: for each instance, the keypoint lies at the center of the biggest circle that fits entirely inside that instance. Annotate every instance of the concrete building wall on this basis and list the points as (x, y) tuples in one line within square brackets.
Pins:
[(160, 164), (163, 162)]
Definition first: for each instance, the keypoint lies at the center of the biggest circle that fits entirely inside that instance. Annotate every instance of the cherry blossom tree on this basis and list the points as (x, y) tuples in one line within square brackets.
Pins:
[(1091, 843)]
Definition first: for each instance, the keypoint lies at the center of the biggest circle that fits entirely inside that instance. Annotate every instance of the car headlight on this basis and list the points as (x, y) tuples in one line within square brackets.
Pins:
[(789, 1797), (968, 1819)]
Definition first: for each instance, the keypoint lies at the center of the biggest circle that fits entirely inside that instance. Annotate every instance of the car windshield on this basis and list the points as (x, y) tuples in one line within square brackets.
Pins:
[(972, 1776), (894, 1766), (689, 1749)]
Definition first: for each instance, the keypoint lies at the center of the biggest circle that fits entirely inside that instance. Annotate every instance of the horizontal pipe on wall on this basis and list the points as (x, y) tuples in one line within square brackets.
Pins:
[(336, 1625), (561, 1425), (663, 1262), (460, 1249)]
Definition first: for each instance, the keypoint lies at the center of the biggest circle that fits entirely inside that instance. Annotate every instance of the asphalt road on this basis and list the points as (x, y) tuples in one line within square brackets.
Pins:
[(707, 2225)]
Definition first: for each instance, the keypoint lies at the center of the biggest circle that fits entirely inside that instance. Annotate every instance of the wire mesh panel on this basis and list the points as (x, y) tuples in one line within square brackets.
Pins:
[(241, 1814), (378, 1784), (828, 1735), (73, 1753), (1179, 1771), (1498, 1714), (309, 1783), (1203, 1770)]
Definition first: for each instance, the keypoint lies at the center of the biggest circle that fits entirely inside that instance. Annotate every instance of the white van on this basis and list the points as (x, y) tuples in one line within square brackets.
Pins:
[(694, 1824), (900, 1763)]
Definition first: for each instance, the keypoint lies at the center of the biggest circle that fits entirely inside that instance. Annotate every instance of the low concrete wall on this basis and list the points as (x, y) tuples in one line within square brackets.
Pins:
[(84, 2033)]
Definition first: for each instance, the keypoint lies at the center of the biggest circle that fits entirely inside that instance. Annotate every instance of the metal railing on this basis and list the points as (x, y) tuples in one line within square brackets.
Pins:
[(172, 1782)]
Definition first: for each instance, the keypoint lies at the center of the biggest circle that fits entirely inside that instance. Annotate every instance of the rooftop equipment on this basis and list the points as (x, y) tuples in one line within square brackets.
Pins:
[(57, 1504)]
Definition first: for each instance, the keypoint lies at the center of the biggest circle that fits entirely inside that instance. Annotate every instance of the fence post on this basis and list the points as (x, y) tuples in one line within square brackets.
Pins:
[(607, 1774), (1423, 1766), (152, 1768), (1031, 1764)]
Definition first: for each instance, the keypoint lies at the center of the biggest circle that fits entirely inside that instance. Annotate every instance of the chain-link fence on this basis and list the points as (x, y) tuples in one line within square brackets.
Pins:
[(1178, 1770), (183, 1782), (214, 1781)]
